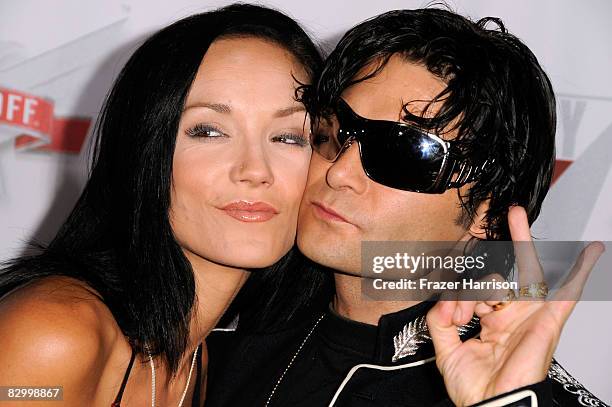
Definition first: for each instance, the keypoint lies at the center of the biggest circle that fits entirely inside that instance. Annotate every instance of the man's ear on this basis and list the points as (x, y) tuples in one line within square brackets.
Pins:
[(477, 228)]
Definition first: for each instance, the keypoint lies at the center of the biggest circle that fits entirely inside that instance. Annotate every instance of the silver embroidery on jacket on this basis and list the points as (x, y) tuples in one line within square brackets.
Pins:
[(571, 385), (415, 333), (407, 341)]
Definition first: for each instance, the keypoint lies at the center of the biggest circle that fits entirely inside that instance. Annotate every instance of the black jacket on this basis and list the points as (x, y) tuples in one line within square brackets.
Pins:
[(331, 361)]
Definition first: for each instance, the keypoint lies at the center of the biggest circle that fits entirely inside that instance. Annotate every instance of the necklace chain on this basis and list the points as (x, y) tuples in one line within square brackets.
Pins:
[(295, 355), (195, 354)]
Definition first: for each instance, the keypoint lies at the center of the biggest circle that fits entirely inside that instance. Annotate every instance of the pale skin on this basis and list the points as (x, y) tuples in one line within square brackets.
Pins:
[(372, 209), (55, 332), (517, 343)]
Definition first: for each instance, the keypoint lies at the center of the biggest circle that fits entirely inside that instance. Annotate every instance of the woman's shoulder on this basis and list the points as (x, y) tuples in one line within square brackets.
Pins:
[(55, 330), (57, 311), (58, 302)]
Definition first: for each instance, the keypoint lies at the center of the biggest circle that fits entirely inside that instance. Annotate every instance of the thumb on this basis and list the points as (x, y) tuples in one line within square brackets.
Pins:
[(443, 331)]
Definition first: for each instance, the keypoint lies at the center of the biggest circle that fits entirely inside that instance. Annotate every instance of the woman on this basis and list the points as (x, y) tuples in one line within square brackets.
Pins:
[(200, 161)]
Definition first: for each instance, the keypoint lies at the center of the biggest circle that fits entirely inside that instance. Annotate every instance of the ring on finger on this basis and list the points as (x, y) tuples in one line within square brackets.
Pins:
[(508, 298), (534, 290)]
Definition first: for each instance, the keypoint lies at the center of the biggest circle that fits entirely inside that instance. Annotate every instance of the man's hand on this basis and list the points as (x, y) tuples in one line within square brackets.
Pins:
[(517, 342)]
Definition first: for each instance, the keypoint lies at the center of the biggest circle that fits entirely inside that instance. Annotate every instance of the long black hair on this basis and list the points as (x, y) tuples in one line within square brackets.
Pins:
[(118, 238), (497, 93)]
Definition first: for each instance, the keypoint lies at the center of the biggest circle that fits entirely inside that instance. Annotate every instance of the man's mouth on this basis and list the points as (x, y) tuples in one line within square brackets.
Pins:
[(326, 213)]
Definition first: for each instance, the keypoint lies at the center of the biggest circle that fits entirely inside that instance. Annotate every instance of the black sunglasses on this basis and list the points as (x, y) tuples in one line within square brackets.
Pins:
[(397, 155)]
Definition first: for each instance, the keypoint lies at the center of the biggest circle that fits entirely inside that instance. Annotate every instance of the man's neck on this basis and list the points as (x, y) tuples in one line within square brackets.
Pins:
[(350, 303)]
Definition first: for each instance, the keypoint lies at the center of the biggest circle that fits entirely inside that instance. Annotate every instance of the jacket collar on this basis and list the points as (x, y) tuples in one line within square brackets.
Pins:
[(400, 337)]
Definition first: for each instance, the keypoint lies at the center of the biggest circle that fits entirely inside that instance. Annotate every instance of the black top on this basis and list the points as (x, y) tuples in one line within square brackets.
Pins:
[(352, 364), (196, 395), (254, 364)]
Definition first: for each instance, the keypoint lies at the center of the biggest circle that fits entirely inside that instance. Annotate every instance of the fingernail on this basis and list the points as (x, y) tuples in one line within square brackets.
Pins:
[(457, 316)]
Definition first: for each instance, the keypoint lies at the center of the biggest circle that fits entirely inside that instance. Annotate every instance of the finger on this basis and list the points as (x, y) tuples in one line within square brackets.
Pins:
[(482, 309), (578, 275), (464, 311), (570, 292), (529, 268), (468, 299), (443, 331)]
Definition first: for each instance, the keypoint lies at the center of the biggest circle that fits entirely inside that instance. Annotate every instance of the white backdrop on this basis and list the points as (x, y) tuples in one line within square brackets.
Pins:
[(58, 59)]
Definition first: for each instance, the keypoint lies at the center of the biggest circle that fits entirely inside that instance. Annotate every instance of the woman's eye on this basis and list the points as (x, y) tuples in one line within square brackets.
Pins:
[(291, 139), (204, 130)]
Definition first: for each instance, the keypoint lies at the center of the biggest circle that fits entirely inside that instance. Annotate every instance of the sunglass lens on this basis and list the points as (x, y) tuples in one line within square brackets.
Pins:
[(324, 139), (402, 157)]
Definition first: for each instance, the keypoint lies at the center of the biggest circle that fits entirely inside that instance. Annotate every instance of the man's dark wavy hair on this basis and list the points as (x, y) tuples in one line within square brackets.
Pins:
[(497, 94)]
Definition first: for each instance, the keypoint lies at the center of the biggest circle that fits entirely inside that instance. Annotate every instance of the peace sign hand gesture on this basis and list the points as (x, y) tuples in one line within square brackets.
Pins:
[(517, 342)]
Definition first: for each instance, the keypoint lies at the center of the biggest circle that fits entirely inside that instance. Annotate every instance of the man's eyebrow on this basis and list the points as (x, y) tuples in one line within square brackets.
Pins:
[(217, 107), (289, 111)]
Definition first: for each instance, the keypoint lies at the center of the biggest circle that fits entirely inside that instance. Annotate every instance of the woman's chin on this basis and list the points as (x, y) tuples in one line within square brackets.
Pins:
[(260, 261), (252, 257)]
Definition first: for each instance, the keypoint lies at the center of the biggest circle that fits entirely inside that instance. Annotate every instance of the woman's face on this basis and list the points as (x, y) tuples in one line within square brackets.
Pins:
[(241, 156)]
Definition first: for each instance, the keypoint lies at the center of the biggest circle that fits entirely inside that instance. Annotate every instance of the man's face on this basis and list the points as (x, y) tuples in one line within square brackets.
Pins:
[(343, 207)]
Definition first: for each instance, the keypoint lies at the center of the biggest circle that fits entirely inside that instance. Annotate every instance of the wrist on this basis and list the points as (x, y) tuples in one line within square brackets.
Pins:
[(537, 394)]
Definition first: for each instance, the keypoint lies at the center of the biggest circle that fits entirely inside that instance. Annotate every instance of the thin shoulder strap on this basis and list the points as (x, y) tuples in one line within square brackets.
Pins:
[(117, 402)]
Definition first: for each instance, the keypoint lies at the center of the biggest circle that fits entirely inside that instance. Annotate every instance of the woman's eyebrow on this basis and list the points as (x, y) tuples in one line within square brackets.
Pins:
[(289, 111), (226, 109), (217, 107)]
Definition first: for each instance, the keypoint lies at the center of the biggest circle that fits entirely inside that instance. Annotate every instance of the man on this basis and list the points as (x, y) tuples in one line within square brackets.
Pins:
[(432, 127)]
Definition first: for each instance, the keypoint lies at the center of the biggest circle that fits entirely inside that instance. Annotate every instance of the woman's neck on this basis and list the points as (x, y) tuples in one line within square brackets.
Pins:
[(215, 288)]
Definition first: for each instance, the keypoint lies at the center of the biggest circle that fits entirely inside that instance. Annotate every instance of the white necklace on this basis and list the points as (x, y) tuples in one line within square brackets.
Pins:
[(195, 354), (295, 355)]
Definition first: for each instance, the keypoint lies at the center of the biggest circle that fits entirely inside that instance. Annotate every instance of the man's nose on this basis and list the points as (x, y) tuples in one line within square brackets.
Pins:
[(347, 172)]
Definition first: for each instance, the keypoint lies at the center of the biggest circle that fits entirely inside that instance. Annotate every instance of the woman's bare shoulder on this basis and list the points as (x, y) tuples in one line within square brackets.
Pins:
[(59, 301), (55, 332)]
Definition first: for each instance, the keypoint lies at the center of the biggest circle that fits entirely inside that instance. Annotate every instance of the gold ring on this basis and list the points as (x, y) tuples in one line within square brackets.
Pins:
[(534, 290), (508, 298)]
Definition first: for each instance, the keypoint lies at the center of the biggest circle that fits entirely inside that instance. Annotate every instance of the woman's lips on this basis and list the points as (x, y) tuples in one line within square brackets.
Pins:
[(246, 211), (327, 213)]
